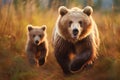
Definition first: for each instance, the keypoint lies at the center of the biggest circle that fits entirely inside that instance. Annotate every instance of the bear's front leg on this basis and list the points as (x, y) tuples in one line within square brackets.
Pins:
[(43, 53), (31, 58), (63, 61), (41, 59), (62, 49), (80, 60)]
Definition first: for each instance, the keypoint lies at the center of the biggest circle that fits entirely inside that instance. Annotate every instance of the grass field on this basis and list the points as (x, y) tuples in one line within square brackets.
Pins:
[(13, 63)]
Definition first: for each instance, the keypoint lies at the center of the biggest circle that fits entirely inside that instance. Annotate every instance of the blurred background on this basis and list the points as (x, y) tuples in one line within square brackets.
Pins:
[(15, 15)]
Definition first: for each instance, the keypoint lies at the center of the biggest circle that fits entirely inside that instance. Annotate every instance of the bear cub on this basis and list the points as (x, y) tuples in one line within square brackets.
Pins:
[(37, 46)]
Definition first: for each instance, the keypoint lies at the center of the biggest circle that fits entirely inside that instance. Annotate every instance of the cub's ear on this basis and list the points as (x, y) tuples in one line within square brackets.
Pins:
[(62, 10), (88, 10), (44, 27), (30, 27)]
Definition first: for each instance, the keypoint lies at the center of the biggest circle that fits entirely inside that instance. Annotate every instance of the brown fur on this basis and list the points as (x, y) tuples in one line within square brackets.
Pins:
[(73, 54), (37, 53)]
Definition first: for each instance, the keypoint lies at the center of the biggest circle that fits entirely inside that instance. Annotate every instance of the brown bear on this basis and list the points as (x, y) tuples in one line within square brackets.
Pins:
[(37, 46), (75, 38)]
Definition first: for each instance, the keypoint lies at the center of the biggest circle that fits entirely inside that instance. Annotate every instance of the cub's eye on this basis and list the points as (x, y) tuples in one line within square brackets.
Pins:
[(80, 22), (40, 35), (70, 22), (33, 35)]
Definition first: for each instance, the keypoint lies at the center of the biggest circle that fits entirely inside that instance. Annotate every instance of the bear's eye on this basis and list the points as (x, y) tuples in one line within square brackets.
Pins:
[(33, 35), (80, 22), (40, 35), (70, 22)]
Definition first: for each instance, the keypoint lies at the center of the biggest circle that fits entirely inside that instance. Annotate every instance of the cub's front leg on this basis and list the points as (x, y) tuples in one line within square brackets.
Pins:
[(31, 57), (43, 53)]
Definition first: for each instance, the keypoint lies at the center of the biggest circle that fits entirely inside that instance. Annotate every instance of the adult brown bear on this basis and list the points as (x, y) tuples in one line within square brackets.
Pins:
[(75, 38)]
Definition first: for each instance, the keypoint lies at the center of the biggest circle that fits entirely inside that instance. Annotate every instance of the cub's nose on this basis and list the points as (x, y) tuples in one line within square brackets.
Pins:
[(75, 32), (36, 41)]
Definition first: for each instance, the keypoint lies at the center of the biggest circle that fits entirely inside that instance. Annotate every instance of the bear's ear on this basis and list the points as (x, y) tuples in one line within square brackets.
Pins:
[(43, 27), (30, 27), (62, 10), (88, 10)]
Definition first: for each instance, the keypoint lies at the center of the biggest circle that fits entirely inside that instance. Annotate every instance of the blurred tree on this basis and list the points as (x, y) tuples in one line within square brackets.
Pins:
[(17, 3), (37, 2), (56, 3), (88, 3), (116, 5), (5, 2), (97, 4)]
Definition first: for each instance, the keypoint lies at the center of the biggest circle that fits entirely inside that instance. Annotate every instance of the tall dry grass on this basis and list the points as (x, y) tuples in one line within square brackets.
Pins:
[(13, 63)]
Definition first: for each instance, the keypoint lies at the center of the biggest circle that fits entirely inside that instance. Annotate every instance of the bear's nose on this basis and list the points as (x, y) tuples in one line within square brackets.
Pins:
[(75, 31), (36, 41)]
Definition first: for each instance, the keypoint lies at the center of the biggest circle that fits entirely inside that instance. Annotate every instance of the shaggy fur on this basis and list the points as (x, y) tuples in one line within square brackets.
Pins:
[(75, 49), (37, 46)]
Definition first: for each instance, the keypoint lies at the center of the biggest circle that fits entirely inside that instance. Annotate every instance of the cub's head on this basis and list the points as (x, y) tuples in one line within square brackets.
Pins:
[(74, 24), (36, 34)]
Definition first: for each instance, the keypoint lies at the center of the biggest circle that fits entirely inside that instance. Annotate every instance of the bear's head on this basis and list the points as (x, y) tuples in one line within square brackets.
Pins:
[(36, 34), (74, 24)]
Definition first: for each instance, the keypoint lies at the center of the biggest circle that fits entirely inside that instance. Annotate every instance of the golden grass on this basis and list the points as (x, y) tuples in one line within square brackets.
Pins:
[(13, 37)]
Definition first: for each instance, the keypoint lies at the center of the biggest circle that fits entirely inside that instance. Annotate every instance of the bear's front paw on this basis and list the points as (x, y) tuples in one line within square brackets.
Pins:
[(75, 67), (41, 61), (88, 65)]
